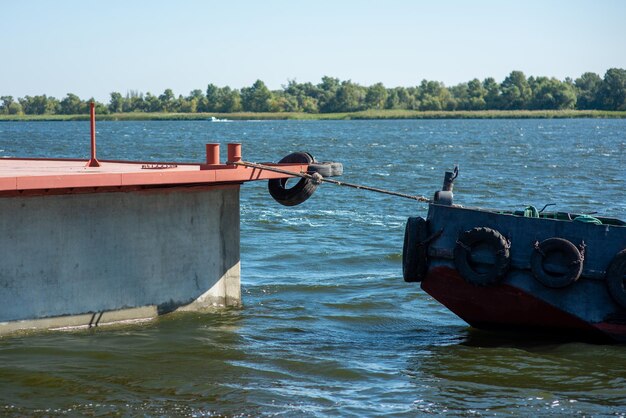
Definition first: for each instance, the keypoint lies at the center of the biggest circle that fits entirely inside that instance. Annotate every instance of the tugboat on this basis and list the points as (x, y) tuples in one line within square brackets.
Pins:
[(527, 270)]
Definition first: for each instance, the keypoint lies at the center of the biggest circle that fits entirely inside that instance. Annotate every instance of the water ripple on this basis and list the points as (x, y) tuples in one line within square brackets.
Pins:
[(329, 328)]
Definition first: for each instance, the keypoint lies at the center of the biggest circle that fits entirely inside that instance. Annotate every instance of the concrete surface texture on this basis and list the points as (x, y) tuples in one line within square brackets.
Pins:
[(80, 258)]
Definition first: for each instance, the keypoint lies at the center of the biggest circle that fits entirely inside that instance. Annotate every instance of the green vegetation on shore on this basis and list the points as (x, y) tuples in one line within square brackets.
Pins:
[(366, 114), (517, 96)]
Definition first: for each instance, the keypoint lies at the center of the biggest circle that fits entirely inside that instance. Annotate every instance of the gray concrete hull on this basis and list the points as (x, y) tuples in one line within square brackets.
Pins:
[(87, 259)]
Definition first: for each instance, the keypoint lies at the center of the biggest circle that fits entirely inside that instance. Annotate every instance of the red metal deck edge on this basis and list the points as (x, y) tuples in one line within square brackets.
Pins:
[(74, 176), (54, 175)]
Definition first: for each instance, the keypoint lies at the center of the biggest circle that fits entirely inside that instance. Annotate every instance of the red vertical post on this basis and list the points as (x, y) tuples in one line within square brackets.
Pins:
[(93, 161), (213, 154), (234, 153)]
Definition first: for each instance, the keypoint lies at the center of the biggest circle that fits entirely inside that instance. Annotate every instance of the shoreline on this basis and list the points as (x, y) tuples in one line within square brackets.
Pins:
[(361, 115)]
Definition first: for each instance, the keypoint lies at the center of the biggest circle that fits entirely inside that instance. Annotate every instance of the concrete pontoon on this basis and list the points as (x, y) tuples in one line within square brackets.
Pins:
[(88, 243)]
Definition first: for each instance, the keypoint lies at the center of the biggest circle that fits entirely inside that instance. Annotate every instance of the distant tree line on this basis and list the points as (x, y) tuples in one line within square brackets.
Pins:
[(516, 92)]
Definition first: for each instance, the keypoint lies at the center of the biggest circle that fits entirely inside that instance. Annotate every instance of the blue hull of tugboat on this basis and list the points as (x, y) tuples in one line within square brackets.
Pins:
[(516, 299)]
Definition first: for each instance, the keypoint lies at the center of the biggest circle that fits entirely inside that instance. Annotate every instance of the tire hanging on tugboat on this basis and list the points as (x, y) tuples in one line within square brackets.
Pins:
[(470, 242), (302, 190), (615, 278), (565, 257), (415, 250)]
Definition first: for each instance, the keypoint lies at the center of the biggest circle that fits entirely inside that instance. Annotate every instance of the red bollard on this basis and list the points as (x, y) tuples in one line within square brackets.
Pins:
[(234, 153), (212, 154)]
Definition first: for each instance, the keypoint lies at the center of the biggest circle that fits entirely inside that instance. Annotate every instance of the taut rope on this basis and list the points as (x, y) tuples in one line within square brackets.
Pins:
[(319, 179)]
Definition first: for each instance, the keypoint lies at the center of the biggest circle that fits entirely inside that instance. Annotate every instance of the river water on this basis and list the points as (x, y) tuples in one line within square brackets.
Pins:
[(328, 326)]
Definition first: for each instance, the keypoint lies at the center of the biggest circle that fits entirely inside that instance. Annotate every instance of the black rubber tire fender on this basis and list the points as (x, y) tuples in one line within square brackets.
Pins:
[(415, 250), (313, 160), (572, 259), (301, 191), (469, 241), (326, 169), (616, 278)]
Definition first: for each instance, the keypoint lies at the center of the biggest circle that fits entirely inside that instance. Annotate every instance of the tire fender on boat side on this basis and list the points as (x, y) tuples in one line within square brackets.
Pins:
[(566, 262), (616, 277), (482, 239), (301, 191), (415, 250)]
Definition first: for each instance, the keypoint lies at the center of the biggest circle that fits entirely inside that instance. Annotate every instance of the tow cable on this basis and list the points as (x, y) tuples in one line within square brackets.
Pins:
[(318, 179)]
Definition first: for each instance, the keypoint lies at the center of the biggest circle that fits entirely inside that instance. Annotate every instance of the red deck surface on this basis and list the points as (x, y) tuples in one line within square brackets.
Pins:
[(73, 176)]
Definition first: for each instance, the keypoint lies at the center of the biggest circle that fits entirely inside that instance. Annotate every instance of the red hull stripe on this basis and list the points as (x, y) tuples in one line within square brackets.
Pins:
[(503, 306)]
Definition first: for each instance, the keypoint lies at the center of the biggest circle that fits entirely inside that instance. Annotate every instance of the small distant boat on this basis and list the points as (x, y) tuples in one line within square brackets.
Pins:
[(521, 270), (214, 119)]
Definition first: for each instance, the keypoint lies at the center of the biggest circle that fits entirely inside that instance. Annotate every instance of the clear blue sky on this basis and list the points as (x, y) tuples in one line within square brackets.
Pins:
[(92, 48)]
